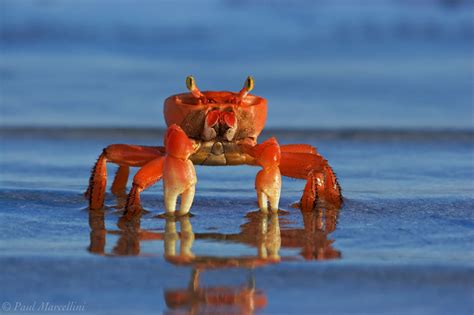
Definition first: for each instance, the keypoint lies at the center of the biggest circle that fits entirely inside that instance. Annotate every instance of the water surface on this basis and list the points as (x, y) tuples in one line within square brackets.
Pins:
[(402, 242)]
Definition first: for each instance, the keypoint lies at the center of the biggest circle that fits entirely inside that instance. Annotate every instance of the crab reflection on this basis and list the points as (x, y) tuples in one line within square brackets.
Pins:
[(269, 235), (243, 299)]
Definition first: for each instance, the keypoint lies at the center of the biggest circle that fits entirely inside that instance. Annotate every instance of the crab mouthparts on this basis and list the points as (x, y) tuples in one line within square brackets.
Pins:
[(217, 148), (219, 125)]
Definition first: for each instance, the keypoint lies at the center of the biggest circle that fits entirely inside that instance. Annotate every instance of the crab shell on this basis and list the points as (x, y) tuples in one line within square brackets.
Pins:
[(190, 113)]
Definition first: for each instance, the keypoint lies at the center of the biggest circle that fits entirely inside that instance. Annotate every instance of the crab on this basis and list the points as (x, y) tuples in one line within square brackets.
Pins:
[(214, 128)]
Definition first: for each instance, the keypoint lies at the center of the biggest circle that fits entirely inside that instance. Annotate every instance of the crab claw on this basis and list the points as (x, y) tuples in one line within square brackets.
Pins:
[(177, 143), (267, 154), (268, 180), (179, 176)]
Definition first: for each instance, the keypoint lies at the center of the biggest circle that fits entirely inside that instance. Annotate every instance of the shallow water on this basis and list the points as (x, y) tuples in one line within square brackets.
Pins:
[(402, 242)]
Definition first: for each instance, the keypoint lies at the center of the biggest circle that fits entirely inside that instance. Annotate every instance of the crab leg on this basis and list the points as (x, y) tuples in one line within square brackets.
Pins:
[(124, 155), (120, 180), (144, 178), (298, 148), (321, 180), (97, 184)]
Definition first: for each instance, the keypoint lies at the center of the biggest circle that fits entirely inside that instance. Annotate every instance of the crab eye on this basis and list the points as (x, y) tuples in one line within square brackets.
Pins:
[(249, 83), (190, 83)]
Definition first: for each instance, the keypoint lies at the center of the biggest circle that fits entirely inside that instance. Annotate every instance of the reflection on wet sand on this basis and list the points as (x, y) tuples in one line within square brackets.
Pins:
[(243, 299), (268, 234)]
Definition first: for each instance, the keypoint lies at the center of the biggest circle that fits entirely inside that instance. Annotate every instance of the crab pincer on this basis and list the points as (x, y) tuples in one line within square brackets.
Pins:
[(179, 175), (268, 180), (177, 171)]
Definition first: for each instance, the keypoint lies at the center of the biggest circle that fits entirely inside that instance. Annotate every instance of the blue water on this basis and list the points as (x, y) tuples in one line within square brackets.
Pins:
[(320, 64), (383, 90)]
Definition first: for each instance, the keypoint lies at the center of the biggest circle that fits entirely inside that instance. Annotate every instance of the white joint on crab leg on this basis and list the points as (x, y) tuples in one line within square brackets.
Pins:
[(248, 86), (192, 87)]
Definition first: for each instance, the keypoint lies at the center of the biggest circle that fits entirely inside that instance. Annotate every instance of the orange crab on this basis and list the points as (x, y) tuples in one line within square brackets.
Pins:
[(213, 128)]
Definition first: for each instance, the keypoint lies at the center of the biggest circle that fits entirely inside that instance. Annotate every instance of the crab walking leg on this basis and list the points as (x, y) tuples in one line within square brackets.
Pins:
[(298, 148), (97, 184), (119, 185), (145, 177), (124, 155), (321, 180)]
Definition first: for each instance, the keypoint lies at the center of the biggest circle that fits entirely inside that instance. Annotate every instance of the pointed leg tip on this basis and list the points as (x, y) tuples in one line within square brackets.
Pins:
[(132, 211), (119, 192), (96, 203)]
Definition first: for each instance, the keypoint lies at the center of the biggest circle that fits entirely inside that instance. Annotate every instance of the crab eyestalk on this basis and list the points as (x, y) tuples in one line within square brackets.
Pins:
[(248, 86), (191, 85)]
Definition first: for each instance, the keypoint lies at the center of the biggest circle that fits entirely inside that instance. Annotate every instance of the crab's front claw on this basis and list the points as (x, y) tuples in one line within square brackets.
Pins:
[(179, 175), (268, 180)]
